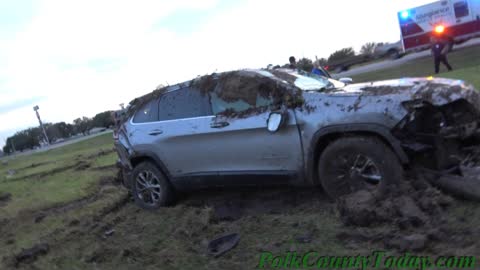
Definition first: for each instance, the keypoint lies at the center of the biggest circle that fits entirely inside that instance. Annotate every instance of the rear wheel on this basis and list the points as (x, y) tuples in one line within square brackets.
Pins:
[(150, 188), (393, 54), (354, 163)]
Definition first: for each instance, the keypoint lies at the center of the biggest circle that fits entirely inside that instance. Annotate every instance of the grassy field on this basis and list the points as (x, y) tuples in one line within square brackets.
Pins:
[(466, 64)]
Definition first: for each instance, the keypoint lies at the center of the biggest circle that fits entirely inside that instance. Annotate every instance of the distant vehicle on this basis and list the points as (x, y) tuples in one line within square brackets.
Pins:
[(390, 50), (345, 64), (457, 19), (285, 126)]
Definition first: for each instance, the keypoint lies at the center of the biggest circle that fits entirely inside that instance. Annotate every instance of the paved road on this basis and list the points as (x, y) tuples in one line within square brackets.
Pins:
[(57, 145), (393, 63)]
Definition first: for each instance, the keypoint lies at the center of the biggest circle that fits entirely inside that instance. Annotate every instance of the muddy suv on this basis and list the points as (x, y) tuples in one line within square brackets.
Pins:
[(256, 127)]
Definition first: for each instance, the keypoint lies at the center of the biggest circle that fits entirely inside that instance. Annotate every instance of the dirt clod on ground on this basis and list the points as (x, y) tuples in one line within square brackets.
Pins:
[(11, 173), (413, 242), (5, 196), (31, 254), (82, 165)]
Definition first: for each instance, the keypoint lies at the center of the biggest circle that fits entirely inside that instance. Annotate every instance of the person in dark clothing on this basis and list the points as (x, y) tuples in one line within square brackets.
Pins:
[(293, 62), (318, 70), (440, 48)]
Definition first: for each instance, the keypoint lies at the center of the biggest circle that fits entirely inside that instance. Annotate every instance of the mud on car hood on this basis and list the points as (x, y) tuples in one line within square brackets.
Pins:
[(437, 91)]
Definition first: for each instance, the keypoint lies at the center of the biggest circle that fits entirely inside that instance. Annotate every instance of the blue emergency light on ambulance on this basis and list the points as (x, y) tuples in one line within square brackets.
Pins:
[(405, 14)]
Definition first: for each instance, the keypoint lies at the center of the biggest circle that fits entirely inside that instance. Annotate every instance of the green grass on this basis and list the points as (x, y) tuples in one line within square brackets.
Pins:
[(55, 158), (30, 193), (106, 160), (466, 64)]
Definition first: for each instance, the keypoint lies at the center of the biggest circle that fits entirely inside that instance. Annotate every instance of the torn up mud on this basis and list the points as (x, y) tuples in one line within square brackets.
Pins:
[(59, 208), (411, 217), (78, 166), (230, 205), (101, 153)]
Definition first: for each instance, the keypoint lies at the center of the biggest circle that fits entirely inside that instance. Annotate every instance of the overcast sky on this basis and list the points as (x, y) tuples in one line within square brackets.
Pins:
[(78, 58)]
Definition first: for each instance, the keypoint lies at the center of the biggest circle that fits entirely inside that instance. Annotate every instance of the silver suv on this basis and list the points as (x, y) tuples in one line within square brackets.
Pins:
[(257, 127)]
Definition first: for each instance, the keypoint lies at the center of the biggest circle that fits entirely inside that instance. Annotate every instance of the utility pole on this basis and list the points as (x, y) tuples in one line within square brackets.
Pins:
[(41, 124), (13, 146)]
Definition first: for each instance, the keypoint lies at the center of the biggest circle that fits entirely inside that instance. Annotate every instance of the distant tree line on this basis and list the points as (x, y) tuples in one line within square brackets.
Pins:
[(368, 49), (33, 137)]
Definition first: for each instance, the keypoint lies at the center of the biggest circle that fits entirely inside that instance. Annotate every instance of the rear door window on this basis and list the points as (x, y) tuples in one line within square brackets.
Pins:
[(239, 94), (183, 103), (148, 113), (461, 9)]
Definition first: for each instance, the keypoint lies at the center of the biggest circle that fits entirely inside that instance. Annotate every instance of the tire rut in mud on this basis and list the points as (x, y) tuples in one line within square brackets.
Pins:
[(73, 228)]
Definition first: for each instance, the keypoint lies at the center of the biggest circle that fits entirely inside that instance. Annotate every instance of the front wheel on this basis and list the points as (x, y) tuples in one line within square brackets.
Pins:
[(150, 188), (354, 163)]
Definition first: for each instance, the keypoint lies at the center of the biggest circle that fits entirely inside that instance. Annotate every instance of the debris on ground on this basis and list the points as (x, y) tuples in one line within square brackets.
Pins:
[(11, 173), (31, 254), (5, 196), (304, 239), (413, 242), (39, 218), (3, 222), (465, 186), (223, 244), (109, 233)]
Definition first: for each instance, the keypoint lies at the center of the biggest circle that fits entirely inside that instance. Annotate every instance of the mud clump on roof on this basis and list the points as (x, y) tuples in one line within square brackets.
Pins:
[(384, 90), (248, 86), (284, 76), (141, 101)]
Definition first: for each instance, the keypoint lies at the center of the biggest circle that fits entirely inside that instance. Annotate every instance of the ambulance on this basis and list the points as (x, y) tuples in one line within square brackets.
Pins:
[(459, 20)]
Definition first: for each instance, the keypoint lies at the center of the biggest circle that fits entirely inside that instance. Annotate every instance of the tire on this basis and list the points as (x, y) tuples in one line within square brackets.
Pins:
[(150, 188), (393, 54), (341, 69), (338, 177)]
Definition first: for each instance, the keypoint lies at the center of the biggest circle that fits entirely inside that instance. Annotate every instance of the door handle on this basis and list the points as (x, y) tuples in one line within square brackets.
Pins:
[(219, 124), (155, 132)]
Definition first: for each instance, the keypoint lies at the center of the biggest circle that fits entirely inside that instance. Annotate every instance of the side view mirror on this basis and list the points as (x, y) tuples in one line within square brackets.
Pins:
[(346, 80), (275, 121)]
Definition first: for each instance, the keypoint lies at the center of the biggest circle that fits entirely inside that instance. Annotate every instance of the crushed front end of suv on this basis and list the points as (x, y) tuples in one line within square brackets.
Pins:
[(282, 126)]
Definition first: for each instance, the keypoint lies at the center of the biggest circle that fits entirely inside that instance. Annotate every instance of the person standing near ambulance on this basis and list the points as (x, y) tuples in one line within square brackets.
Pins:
[(440, 48)]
